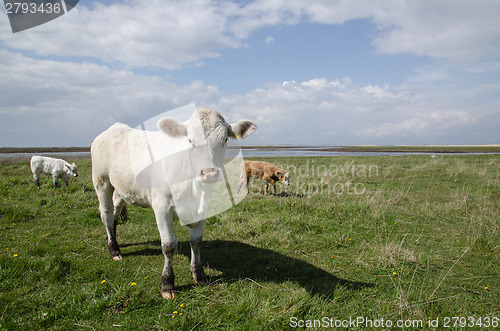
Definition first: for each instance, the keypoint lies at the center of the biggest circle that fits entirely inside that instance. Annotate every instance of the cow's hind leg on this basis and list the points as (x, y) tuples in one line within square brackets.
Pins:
[(104, 192), (195, 234), (120, 210), (246, 184), (243, 182), (240, 183)]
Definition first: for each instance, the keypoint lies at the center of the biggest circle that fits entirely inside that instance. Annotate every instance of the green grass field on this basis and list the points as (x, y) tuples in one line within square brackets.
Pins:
[(412, 240)]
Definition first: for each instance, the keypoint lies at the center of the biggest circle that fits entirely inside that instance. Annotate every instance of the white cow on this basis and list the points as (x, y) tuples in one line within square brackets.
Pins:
[(171, 170), (56, 167)]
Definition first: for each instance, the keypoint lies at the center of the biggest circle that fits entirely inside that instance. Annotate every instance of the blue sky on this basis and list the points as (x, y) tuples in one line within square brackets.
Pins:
[(303, 52), (326, 72)]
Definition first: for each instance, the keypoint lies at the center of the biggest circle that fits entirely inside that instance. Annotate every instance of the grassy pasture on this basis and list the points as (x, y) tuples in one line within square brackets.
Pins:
[(411, 238)]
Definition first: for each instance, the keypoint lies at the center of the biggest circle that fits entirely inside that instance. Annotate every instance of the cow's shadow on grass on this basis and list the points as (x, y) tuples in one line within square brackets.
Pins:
[(237, 261), (282, 194), (289, 194)]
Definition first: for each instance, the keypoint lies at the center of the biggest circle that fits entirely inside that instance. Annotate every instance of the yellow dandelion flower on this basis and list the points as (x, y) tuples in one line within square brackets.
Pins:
[(181, 305), (133, 284), (394, 273), (104, 281), (15, 255), (173, 316), (180, 314), (486, 287), (175, 312), (350, 238)]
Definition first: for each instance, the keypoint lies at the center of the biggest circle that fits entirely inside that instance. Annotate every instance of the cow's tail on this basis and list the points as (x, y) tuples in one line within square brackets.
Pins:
[(124, 214)]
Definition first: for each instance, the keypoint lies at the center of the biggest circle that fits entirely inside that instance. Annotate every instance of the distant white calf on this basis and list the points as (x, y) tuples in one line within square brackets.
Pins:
[(56, 167)]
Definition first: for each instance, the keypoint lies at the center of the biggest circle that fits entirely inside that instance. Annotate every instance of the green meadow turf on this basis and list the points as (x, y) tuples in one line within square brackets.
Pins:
[(407, 239)]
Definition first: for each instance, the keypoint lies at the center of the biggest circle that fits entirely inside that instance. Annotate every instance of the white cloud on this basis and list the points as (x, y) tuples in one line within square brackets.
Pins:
[(60, 103), (457, 30), (269, 40), (55, 101), (424, 125), (460, 30), (340, 112), (170, 34), (166, 34)]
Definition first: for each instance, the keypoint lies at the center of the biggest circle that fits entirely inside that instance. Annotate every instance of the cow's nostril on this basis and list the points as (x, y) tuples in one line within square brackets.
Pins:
[(210, 174), (209, 171)]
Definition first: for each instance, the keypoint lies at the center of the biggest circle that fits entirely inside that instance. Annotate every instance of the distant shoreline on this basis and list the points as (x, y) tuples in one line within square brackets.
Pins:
[(35, 150), (362, 148)]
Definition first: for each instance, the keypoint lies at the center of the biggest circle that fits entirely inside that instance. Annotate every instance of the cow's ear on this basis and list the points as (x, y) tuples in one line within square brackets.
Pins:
[(242, 129), (172, 127)]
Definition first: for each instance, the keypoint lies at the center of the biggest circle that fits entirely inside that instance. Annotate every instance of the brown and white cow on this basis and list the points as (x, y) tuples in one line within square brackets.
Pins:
[(171, 170), (266, 171)]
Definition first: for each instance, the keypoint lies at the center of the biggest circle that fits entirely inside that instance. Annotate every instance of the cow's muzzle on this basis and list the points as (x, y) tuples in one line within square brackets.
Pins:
[(210, 174)]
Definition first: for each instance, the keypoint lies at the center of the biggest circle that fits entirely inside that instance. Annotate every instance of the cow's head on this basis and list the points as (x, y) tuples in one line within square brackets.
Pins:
[(71, 169), (284, 177), (207, 133)]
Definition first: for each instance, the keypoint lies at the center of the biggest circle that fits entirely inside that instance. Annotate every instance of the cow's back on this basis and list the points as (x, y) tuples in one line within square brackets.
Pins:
[(109, 148), (46, 165), (118, 156), (111, 157)]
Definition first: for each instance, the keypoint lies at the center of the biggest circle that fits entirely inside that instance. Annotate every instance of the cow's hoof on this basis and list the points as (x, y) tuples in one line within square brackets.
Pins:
[(200, 278), (168, 294), (117, 258), (203, 282)]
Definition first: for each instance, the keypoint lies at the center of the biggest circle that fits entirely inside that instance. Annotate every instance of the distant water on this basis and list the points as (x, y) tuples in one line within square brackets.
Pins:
[(53, 154), (252, 152), (311, 153), (323, 151)]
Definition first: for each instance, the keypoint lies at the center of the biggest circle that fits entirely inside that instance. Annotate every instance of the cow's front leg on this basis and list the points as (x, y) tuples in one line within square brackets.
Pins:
[(36, 180), (195, 235), (164, 221), (54, 181)]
